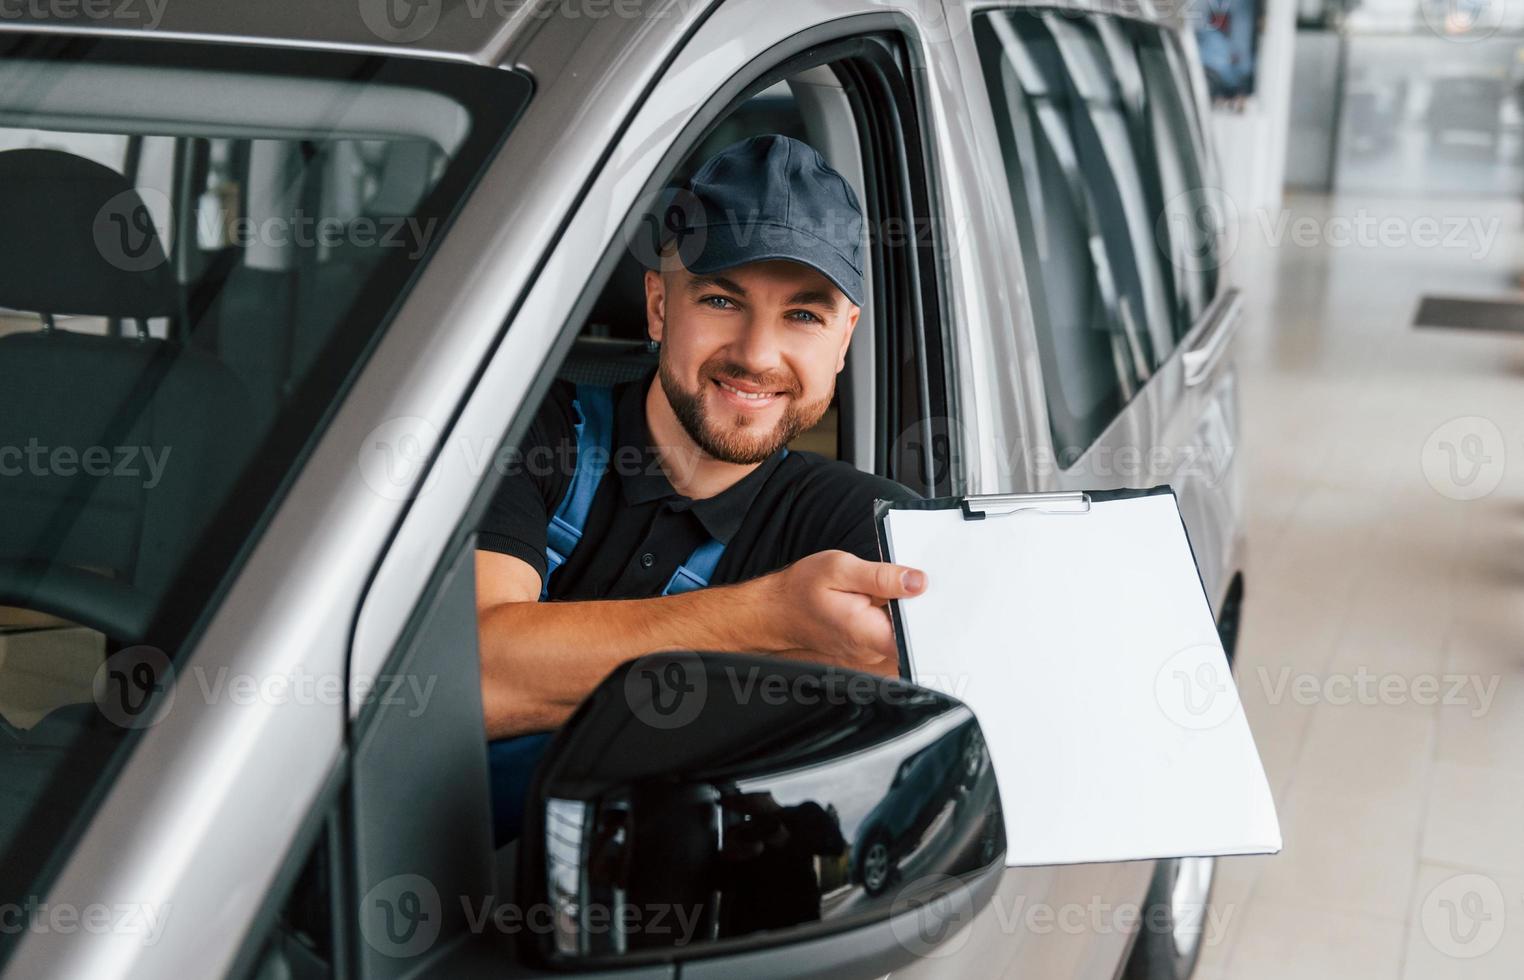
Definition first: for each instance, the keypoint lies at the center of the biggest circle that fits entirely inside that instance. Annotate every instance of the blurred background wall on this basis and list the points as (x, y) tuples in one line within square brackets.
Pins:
[(1382, 97)]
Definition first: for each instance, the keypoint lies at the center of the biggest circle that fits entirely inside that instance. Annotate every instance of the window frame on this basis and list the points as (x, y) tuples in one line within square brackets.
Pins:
[(1068, 457), (917, 307), (914, 293)]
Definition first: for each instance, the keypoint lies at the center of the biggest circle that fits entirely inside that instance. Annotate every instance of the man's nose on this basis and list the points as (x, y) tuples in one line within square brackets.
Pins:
[(758, 348)]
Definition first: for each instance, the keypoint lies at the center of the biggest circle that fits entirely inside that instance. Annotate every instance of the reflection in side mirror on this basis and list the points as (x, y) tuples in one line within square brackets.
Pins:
[(697, 805)]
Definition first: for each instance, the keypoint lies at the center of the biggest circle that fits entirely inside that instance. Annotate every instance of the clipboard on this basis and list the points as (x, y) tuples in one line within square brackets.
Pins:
[(1077, 627)]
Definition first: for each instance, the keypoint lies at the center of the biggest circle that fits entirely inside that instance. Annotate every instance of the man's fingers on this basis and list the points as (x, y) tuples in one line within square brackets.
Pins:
[(880, 579), (876, 633)]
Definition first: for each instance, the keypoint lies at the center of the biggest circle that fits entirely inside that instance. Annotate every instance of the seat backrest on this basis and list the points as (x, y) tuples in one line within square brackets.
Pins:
[(78, 240), (117, 451), (597, 361), (122, 451)]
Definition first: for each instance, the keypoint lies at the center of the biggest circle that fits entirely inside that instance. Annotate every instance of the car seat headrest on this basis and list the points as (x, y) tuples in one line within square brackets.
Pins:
[(78, 240)]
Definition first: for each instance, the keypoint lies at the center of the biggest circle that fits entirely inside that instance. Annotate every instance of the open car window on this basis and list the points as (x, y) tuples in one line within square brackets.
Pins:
[(202, 245), (612, 346)]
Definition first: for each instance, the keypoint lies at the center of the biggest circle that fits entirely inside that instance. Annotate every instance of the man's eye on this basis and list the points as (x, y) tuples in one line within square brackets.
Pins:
[(805, 316), (717, 302)]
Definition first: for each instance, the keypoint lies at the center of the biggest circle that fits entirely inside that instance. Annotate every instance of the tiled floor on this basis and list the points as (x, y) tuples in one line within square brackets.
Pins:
[(1382, 657)]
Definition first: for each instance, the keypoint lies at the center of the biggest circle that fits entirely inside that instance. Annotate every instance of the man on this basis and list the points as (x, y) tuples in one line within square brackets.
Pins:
[(683, 479)]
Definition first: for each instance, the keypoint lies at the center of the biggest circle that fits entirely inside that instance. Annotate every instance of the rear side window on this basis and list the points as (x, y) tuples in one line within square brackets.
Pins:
[(1188, 227), (202, 245), (1082, 107)]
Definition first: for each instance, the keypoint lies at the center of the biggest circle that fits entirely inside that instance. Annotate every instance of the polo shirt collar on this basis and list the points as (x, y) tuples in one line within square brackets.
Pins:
[(721, 514)]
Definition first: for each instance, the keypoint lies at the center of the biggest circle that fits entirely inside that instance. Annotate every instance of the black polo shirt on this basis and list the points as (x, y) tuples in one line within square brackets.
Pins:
[(640, 530)]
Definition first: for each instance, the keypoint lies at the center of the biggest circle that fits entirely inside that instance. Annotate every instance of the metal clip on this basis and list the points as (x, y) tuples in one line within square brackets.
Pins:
[(1003, 505)]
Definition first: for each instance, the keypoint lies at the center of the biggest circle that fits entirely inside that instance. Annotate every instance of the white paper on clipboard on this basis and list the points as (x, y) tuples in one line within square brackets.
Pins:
[(1084, 643)]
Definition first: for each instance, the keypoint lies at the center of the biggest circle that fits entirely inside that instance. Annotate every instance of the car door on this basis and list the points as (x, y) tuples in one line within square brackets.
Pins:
[(667, 119)]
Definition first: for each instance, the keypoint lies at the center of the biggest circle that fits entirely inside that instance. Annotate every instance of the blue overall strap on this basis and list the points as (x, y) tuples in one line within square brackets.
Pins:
[(594, 406), (698, 571)]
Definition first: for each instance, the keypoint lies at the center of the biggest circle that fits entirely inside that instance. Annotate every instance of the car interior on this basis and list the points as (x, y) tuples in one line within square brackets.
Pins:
[(102, 353), (611, 345)]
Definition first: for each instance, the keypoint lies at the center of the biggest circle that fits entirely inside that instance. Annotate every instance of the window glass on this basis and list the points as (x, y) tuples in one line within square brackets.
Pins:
[(1196, 222), (1094, 354), (1178, 232), (1107, 120), (186, 284), (1081, 116)]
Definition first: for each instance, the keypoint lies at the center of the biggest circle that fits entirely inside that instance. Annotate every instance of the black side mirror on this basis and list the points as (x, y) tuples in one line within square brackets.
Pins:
[(719, 810)]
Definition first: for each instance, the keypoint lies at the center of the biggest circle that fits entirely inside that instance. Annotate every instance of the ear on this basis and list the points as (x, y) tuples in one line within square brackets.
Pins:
[(853, 315), (656, 305)]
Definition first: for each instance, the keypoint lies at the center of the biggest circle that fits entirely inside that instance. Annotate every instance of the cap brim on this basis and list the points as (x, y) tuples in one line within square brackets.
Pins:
[(718, 255)]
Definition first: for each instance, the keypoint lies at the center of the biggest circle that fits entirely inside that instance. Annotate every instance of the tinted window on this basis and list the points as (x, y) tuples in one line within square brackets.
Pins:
[(1081, 107), (186, 284)]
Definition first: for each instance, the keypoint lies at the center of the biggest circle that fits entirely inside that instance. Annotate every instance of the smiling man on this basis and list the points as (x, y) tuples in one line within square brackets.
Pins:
[(686, 523)]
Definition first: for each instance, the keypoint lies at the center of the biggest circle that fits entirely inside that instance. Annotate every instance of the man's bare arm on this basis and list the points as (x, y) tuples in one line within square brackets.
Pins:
[(540, 659)]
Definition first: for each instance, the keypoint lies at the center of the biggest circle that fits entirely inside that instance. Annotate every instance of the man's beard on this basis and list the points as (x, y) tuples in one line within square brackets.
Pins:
[(740, 443)]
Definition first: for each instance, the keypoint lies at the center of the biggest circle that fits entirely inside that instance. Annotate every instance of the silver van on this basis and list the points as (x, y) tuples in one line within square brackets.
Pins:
[(280, 285)]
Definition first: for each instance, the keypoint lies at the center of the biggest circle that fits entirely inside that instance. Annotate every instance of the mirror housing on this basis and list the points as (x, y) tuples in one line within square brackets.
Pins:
[(715, 807)]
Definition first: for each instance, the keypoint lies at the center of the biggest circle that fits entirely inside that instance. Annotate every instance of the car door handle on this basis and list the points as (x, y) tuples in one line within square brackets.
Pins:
[(1214, 339)]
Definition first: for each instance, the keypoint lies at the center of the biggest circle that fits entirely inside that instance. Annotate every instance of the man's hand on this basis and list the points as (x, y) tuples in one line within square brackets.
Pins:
[(830, 607), (539, 659)]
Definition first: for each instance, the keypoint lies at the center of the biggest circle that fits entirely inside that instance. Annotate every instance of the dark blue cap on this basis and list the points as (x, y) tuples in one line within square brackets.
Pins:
[(767, 198)]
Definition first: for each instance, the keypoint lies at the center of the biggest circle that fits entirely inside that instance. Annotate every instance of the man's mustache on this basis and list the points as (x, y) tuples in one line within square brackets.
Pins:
[(785, 384)]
